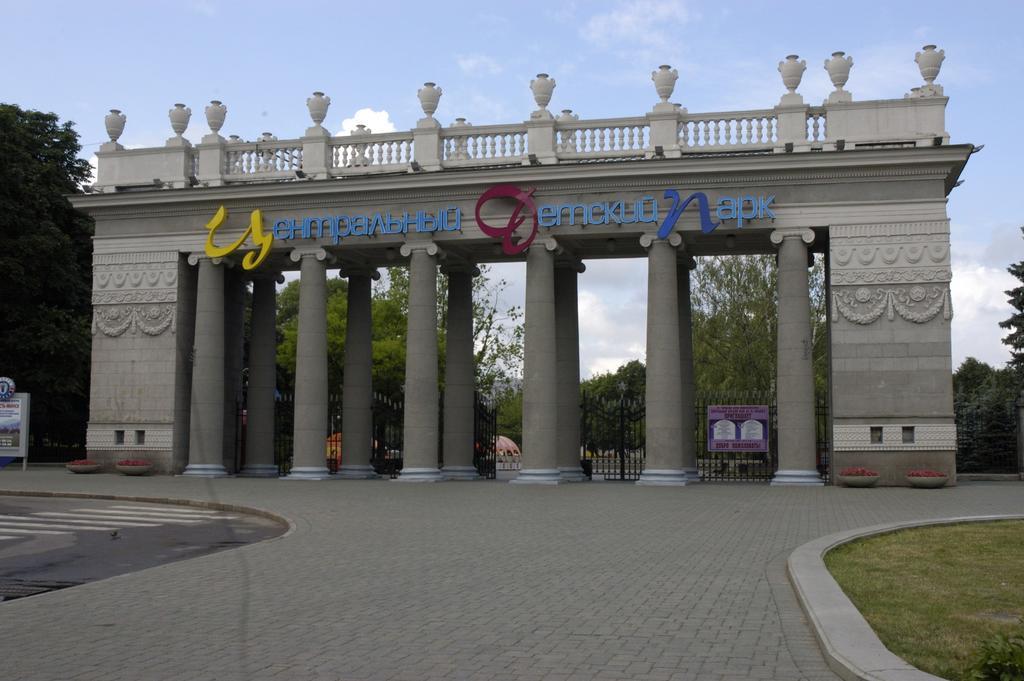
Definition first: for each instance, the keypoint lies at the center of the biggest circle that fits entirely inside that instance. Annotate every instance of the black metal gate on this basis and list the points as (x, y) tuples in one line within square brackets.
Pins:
[(612, 433), (736, 466), (388, 431), (485, 435), (284, 428)]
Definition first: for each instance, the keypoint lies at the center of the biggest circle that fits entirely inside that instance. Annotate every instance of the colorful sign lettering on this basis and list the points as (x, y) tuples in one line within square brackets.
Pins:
[(738, 428)]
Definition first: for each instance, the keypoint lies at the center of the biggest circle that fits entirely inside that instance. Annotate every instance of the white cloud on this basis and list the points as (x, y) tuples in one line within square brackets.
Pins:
[(637, 22), (979, 304), (94, 165), (478, 65), (377, 121)]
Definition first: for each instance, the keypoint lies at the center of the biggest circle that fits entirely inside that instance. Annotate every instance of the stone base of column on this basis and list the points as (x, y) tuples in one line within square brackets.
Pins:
[(537, 476), (309, 473), (692, 475), (797, 477), (205, 470), (419, 475), (460, 473), (259, 471), (672, 477), (571, 474), (354, 472)]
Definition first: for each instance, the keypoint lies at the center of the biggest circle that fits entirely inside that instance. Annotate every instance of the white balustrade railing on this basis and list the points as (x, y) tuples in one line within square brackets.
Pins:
[(816, 124), (917, 119), (727, 131), (365, 153), (262, 160), (602, 138), (483, 145)]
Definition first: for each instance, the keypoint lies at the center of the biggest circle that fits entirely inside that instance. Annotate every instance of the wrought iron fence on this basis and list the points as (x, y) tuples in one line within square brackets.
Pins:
[(485, 436), (986, 436), (388, 433)]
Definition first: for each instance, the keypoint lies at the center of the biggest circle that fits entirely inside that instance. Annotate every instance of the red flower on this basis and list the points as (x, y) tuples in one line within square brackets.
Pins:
[(133, 462), (859, 471), (81, 462), (924, 473)]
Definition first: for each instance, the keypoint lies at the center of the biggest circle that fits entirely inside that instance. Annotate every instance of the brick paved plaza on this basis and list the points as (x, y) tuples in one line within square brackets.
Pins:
[(464, 581)]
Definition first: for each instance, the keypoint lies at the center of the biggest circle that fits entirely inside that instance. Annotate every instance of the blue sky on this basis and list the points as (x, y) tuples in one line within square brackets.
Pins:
[(262, 59)]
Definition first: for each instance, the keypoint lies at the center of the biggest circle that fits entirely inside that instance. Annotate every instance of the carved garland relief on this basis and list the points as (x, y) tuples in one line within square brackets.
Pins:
[(901, 273), (134, 292)]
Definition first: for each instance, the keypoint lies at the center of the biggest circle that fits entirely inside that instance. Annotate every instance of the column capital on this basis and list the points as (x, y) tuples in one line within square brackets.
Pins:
[(196, 258), (297, 254), (674, 240), (429, 247), (355, 270), (261, 274), (807, 235)]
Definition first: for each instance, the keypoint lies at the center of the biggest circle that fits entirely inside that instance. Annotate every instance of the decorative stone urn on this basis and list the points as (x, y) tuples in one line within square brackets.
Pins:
[(215, 112), (114, 122), (234, 139), (792, 72), (542, 87), (567, 116), (929, 61), (180, 115), (838, 68), (82, 467), (665, 81), (267, 137), (317, 105), (930, 482), (858, 480), (361, 130), (133, 469), (429, 96)]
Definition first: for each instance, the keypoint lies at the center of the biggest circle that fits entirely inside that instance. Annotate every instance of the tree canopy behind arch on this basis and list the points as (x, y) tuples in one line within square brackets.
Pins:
[(45, 258)]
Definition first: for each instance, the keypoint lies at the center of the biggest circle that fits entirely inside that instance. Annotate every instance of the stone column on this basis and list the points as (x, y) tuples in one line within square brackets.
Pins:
[(357, 393), (459, 377), (234, 352), (664, 395), (259, 428), (567, 354), (688, 421), (420, 440), (795, 382), (540, 366), (309, 453), (206, 413)]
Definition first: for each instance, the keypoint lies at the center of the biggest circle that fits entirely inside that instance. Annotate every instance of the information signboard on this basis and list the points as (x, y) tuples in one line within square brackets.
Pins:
[(738, 428), (14, 411)]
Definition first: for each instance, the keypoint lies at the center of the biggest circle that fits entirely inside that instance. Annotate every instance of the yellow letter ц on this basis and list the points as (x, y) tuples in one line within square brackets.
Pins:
[(263, 240)]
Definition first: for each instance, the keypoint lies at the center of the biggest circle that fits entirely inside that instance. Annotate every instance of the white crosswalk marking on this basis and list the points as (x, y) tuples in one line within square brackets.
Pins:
[(100, 516), (13, 530), (41, 524), (163, 514), (112, 523), (166, 510)]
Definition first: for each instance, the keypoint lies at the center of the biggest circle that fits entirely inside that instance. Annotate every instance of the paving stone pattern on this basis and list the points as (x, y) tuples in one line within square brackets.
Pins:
[(479, 580)]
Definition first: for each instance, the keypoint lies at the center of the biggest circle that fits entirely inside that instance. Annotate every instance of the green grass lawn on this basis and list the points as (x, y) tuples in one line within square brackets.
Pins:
[(934, 594)]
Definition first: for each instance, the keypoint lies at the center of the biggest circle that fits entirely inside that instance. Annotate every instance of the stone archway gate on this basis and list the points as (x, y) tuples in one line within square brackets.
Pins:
[(182, 229)]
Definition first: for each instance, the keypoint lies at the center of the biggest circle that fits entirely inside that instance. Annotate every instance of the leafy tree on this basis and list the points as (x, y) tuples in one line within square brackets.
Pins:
[(45, 257), (1015, 339), (629, 380), (735, 323), (984, 404)]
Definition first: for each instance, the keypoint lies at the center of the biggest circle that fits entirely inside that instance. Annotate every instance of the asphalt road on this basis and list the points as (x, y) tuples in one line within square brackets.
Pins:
[(54, 543)]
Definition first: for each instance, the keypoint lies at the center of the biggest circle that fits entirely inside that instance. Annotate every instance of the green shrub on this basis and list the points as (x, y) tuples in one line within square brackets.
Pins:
[(1001, 658)]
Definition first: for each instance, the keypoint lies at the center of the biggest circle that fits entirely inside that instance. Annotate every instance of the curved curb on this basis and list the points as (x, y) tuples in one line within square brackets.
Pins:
[(170, 501), (849, 645)]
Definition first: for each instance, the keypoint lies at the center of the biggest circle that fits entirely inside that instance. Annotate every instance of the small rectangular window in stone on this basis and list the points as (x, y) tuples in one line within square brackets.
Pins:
[(140, 437), (118, 437), (908, 435), (876, 435)]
